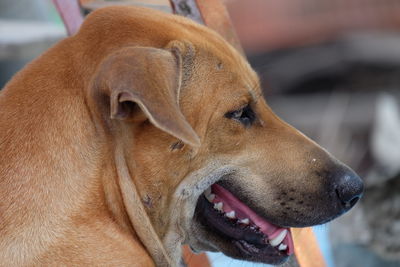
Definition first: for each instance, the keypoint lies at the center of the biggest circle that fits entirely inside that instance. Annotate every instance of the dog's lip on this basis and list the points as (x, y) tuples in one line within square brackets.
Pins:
[(252, 248), (272, 232), (257, 241)]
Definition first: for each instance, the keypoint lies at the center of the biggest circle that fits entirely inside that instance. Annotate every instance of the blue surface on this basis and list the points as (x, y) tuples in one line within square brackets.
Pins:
[(220, 260), (322, 233)]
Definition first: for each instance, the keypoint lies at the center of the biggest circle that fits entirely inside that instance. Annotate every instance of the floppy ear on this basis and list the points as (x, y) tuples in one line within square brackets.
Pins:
[(146, 79)]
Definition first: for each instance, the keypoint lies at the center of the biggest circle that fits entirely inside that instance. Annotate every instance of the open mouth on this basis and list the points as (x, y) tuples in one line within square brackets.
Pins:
[(251, 237)]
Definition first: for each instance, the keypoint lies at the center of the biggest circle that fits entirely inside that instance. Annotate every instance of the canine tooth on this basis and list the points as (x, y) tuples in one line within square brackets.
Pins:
[(277, 240), (282, 247), (218, 206), (208, 191), (231, 215), (210, 197), (244, 221)]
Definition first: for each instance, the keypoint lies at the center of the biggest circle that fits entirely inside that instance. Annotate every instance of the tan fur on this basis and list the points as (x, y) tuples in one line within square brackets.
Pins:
[(92, 169)]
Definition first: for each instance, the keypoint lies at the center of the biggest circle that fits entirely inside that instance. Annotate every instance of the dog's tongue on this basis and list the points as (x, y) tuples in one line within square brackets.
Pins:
[(231, 203)]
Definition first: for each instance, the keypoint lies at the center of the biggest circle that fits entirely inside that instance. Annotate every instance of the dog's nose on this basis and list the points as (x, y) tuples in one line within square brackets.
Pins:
[(349, 188)]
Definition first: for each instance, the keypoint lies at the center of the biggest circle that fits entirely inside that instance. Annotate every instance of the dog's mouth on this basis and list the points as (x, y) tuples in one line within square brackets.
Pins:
[(245, 234)]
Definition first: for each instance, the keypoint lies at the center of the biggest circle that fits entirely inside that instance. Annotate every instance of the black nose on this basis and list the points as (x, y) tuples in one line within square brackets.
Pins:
[(349, 188)]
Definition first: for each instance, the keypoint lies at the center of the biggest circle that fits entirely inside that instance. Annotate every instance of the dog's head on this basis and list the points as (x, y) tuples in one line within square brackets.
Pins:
[(215, 167)]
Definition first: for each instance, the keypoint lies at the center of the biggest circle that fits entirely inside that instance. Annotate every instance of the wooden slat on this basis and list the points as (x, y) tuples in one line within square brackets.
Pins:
[(216, 16), (211, 13), (306, 248)]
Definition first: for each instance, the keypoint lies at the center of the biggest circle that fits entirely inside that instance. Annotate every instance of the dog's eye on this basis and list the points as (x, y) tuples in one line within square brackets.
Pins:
[(244, 115)]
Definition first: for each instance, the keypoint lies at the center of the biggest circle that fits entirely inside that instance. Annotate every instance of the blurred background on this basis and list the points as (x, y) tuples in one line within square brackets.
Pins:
[(331, 68)]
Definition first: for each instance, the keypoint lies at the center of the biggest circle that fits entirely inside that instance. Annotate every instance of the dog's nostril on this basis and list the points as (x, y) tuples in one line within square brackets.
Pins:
[(348, 204), (349, 189), (354, 201)]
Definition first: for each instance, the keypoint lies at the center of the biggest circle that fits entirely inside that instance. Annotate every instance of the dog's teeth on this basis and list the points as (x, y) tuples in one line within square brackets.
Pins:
[(210, 197), (282, 247), (207, 192), (218, 206), (231, 215), (277, 240), (244, 221)]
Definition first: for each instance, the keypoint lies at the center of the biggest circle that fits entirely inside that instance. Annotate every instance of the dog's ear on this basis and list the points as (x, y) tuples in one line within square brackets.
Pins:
[(144, 80)]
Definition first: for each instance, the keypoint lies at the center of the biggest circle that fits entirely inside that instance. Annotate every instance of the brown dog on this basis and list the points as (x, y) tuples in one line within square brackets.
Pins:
[(146, 131)]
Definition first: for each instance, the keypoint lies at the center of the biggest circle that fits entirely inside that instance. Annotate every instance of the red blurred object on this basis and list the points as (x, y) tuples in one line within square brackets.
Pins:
[(264, 25)]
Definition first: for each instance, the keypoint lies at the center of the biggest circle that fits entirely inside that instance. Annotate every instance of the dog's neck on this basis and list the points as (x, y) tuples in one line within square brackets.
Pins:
[(163, 242), (126, 203), (137, 213)]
